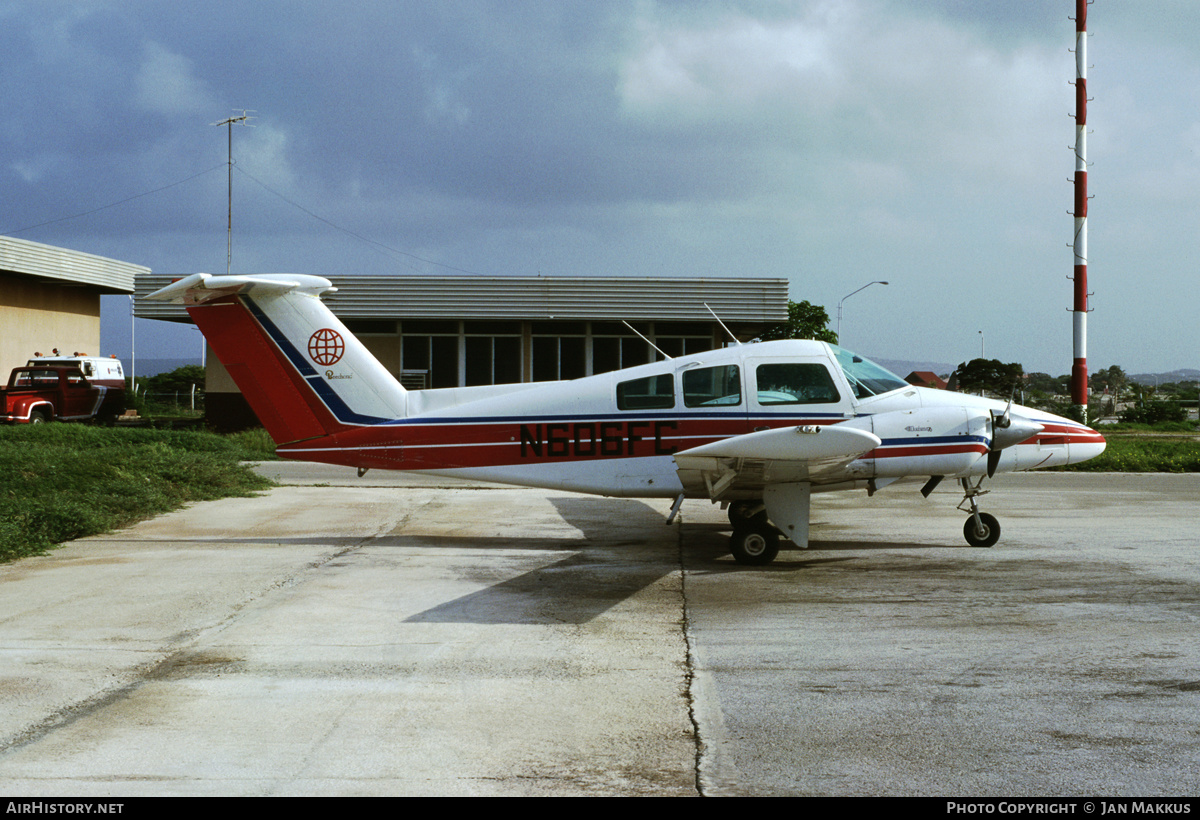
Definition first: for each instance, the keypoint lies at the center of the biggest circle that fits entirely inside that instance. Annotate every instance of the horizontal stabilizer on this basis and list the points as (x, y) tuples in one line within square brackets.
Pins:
[(202, 287)]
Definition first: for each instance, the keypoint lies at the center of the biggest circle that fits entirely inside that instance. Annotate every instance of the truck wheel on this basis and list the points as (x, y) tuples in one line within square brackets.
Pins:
[(37, 417)]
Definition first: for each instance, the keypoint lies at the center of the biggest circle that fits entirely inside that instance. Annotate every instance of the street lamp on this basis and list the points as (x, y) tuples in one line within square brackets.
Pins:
[(132, 347), (982, 346), (844, 298)]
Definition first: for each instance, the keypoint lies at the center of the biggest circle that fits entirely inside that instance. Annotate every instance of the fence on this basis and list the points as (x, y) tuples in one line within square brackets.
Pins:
[(182, 401)]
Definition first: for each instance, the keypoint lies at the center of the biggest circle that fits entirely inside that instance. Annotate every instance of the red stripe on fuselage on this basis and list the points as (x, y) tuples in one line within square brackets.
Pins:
[(1064, 434), (905, 451)]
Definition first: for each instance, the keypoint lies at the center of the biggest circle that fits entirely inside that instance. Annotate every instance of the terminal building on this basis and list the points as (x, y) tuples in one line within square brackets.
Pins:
[(50, 299), (457, 331)]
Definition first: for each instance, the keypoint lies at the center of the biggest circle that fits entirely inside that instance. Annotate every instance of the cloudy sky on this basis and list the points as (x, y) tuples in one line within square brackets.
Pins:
[(923, 142)]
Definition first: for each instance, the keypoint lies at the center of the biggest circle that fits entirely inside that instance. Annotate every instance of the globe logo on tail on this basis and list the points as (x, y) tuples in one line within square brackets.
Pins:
[(326, 347)]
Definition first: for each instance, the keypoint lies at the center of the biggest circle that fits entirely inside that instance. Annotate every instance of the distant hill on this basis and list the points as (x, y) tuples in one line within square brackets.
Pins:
[(1186, 374), (902, 368)]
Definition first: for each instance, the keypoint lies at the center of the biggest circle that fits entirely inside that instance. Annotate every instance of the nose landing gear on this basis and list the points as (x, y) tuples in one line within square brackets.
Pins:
[(981, 529)]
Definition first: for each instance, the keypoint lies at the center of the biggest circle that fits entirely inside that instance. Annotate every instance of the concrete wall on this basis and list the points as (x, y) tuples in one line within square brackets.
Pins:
[(37, 316)]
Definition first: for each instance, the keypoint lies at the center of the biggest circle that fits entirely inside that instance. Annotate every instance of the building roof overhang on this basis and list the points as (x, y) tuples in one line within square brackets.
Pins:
[(536, 298), (61, 266)]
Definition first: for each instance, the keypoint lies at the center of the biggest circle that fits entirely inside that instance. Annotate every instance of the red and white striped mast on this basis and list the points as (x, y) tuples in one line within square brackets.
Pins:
[(1079, 373)]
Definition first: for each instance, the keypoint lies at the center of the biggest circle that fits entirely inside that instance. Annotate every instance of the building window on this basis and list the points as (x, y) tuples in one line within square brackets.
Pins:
[(559, 351), (433, 348), (371, 327), (492, 353), (682, 338), (615, 348), (493, 360), (559, 357)]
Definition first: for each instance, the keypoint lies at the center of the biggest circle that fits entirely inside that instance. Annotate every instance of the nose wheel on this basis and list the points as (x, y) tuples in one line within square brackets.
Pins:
[(981, 529), (983, 532)]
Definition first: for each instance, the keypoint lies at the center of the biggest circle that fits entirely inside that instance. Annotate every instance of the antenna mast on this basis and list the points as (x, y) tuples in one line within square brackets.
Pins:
[(1079, 373), (243, 118), (722, 324)]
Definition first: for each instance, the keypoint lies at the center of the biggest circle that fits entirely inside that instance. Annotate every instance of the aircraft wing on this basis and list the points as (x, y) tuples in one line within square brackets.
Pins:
[(750, 462)]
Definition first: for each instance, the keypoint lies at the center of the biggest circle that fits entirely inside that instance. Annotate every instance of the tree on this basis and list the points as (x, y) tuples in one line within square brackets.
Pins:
[(1045, 383), (991, 376), (179, 380), (1111, 378), (805, 321), (1153, 412)]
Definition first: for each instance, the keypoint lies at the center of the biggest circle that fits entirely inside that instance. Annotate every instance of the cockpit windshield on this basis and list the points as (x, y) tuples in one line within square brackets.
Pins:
[(866, 377)]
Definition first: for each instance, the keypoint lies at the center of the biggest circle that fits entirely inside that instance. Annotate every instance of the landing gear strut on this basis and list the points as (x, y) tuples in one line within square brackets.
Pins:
[(980, 529)]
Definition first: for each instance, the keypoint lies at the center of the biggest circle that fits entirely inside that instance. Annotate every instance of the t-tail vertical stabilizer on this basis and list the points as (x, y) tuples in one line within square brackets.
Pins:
[(302, 372)]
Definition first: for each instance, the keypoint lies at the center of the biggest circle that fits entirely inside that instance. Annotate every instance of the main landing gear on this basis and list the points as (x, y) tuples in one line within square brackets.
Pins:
[(754, 541), (981, 529)]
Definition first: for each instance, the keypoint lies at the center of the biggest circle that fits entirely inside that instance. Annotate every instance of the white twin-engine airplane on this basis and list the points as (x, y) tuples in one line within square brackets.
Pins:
[(756, 427)]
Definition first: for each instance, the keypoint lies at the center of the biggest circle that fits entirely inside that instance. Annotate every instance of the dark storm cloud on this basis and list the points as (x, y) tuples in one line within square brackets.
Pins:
[(828, 142)]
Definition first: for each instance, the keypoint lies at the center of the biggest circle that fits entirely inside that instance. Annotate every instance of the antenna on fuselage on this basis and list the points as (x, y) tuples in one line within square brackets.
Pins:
[(647, 341), (722, 324)]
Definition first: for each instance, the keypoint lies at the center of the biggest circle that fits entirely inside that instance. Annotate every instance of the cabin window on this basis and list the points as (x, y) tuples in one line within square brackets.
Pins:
[(651, 393), (712, 386), (795, 383)]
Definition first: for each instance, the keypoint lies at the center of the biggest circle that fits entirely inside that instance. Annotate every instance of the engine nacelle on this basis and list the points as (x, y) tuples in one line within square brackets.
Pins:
[(947, 441)]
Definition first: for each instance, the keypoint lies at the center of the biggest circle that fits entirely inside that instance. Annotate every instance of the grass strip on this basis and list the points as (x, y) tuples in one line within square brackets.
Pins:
[(59, 482), (1127, 454)]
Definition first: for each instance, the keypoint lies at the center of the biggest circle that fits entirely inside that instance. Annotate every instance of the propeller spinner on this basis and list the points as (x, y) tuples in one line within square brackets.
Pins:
[(1008, 430)]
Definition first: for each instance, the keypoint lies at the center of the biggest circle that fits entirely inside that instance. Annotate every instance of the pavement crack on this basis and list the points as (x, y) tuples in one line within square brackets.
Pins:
[(689, 666)]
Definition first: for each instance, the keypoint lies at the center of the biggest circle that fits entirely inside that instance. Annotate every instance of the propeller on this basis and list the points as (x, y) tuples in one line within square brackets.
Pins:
[(1008, 430)]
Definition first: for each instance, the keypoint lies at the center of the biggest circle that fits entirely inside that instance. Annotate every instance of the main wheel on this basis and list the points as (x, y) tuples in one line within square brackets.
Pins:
[(37, 417), (755, 546), (990, 534)]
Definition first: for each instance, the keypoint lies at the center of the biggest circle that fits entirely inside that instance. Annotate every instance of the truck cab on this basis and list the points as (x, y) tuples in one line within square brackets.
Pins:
[(60, 392)]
